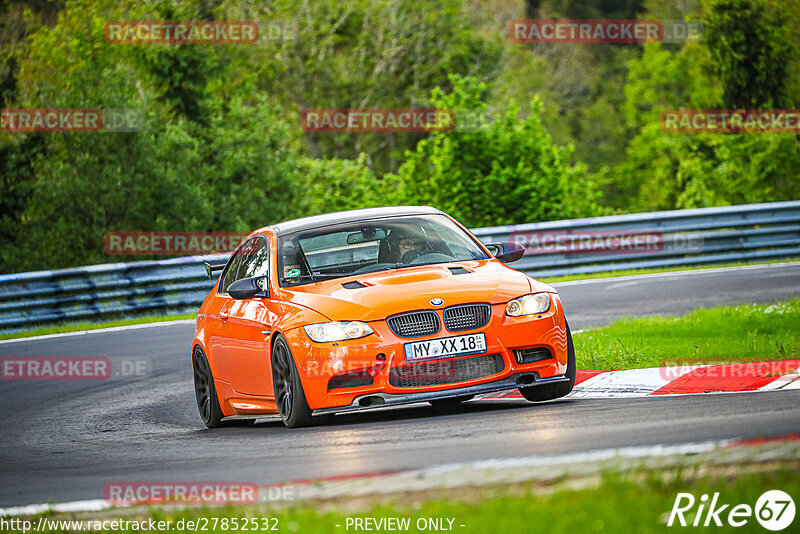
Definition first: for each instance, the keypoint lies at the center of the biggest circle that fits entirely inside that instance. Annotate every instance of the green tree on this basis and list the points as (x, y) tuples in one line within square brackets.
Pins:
[(506, 172), (330, 185), (365, 54), (749, 41), (688, 170), (234, 167)]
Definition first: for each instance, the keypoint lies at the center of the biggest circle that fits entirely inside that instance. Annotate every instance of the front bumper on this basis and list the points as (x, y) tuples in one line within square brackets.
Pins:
[(317, 363)]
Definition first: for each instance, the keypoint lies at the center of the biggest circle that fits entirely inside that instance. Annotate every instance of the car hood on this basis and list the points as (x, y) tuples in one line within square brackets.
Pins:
[(389, 292)]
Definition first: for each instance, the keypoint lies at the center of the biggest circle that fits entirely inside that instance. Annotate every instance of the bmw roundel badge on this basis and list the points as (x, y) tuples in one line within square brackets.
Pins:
[(436, 302)]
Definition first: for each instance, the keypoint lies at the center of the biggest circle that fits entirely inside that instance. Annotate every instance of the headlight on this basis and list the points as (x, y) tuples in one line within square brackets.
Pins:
[(337, 331), (528, 305)]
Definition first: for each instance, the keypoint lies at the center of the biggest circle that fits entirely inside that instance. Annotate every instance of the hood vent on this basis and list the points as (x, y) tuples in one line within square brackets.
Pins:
[(458, 270), (355, 284)]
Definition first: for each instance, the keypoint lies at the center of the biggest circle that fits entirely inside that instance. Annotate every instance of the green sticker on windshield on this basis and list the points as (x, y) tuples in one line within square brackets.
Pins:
[(294, 273)]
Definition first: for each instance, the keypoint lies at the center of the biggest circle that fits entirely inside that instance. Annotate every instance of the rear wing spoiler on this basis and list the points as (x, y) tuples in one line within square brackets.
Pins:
[(213, 267)]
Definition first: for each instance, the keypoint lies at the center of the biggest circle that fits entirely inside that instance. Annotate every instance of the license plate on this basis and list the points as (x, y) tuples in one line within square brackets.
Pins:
[(446, 347)]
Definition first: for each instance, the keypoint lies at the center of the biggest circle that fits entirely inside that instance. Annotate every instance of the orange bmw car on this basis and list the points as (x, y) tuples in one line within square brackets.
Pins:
[(369, 308)]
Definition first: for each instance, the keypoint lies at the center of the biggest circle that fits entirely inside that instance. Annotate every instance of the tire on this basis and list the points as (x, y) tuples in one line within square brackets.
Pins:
[(450, 403), (206, 395), (554, 391), (289, 395), (204, 390)]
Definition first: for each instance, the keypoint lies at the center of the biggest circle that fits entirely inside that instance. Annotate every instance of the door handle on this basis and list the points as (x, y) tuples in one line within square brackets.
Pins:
[(223, 316)]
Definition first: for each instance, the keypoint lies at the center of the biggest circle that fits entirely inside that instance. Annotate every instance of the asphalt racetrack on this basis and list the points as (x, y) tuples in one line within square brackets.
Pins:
[(64, 440)]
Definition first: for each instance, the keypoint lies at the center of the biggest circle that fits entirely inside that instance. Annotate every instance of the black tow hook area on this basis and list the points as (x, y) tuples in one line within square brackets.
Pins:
[(527, 379), (372, 400)]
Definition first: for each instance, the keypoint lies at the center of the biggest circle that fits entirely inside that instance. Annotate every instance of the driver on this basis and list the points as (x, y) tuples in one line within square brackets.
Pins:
[(410, 247)]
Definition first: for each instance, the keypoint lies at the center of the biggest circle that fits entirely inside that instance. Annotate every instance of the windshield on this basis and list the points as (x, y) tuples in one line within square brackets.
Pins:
[(371, 246)]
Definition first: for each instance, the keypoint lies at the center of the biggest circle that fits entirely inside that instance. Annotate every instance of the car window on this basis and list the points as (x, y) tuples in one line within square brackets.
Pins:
[(229, 275), (333, 249), (372, 245), (256, 256), (250, 259)]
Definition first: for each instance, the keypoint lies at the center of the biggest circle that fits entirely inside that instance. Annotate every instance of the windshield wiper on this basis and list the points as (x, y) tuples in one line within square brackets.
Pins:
[(313, 277), (399, 265), (379, 269)]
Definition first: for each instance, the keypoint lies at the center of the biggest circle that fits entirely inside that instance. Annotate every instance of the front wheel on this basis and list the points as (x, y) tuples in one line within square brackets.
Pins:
[(554, 391), (289, 395)]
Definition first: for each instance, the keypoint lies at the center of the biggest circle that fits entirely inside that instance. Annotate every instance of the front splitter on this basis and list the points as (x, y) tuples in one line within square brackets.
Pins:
[(373, 400)]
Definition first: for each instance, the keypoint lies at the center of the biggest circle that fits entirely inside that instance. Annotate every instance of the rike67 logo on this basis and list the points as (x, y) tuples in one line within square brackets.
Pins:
[(774, 510)]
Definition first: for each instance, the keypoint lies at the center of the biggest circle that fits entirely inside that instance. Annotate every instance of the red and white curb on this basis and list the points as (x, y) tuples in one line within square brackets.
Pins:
[(680, 380)]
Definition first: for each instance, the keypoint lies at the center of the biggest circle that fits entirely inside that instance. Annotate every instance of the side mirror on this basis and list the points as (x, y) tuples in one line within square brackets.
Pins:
[(507, 252), (247, 288)]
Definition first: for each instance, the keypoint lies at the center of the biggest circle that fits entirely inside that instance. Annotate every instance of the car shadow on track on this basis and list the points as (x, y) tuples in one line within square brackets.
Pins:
[(420, 411)]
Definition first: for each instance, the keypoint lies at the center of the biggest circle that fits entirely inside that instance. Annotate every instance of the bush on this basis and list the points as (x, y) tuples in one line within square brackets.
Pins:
[(504, 172)]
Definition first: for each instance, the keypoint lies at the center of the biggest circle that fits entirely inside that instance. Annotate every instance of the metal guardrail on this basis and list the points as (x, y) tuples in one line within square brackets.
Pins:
[(179, 285), (101, 292), (689, 237)]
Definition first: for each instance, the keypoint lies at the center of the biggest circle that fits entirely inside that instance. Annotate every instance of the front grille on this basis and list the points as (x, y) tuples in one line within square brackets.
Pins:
[(467, 317), (445, 371), (414, 324)]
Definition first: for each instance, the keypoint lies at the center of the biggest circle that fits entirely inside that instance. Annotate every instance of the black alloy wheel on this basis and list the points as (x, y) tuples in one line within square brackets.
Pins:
[(289, 395)]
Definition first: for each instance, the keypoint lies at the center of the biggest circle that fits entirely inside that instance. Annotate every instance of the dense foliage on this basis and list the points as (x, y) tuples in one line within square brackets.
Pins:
[(572, 130)]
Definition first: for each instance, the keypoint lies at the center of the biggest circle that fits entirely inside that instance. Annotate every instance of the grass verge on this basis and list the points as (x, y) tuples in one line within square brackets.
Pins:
[(639, 501), (723, 334), (655, 270)]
